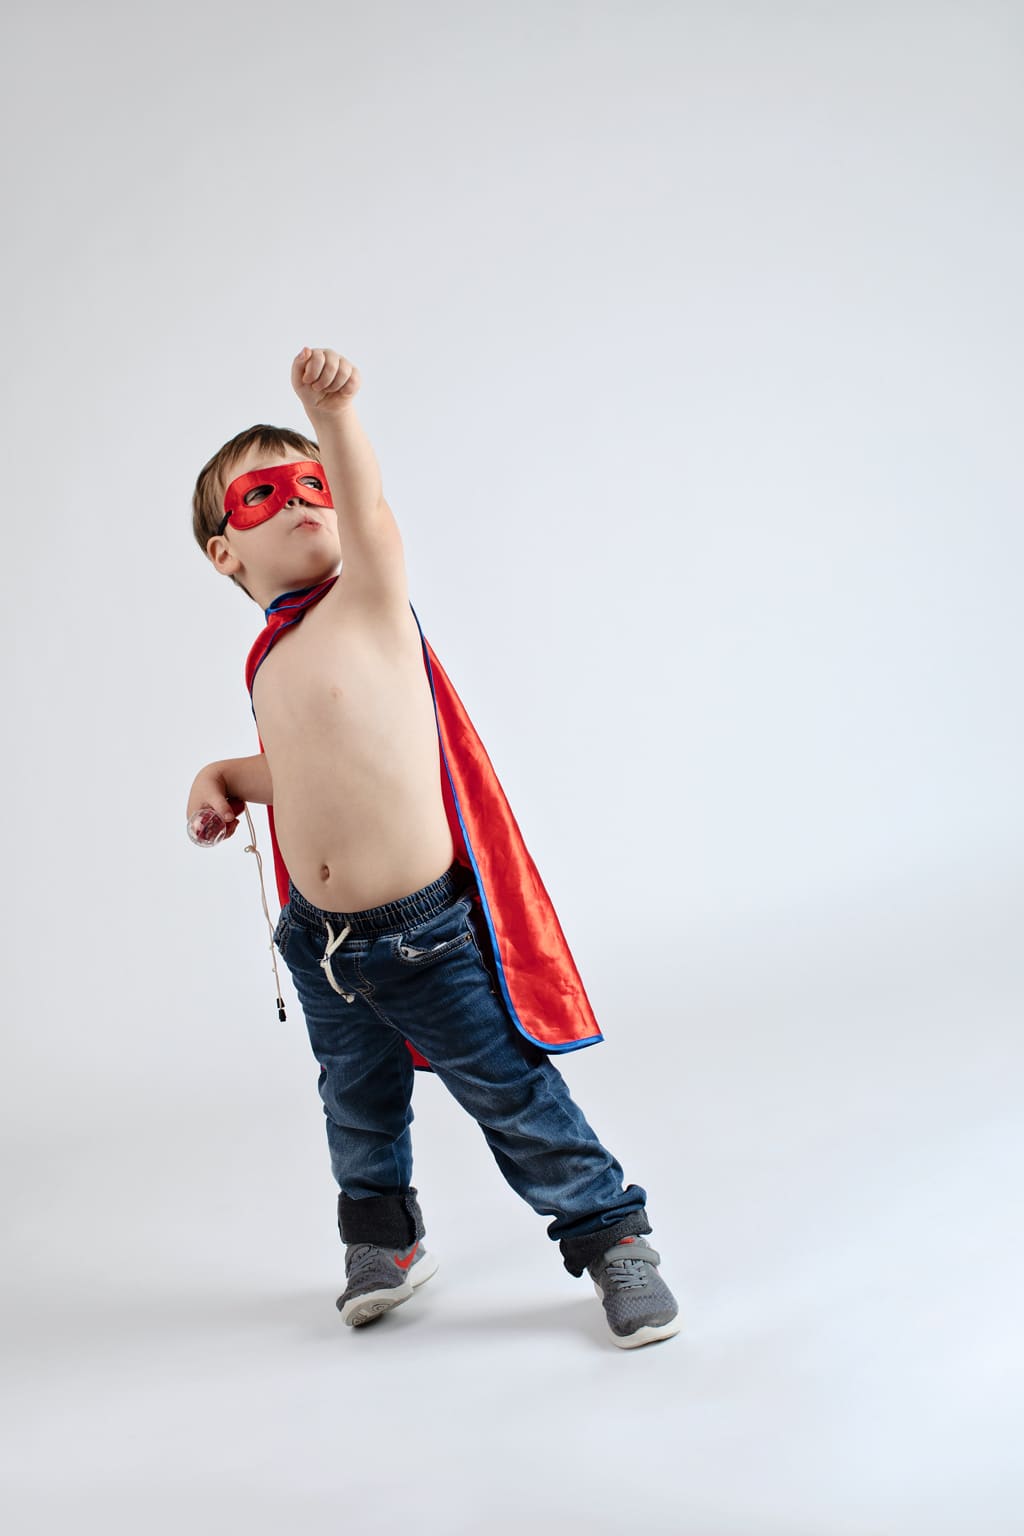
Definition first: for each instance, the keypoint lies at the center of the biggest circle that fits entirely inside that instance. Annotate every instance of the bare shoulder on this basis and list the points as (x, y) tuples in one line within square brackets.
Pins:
[(370, 599), (383, 618), (373, 576)]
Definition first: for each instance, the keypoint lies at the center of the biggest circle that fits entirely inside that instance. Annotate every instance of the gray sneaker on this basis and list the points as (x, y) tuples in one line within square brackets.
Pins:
[(638, 1305), (381, 1278)]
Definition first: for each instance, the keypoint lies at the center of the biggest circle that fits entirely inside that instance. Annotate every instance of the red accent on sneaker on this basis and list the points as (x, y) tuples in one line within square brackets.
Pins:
[(404, 1263), (626, 1240)]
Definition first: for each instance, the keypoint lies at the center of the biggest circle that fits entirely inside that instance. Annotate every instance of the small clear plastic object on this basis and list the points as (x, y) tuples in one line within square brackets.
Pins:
[(206, 828)]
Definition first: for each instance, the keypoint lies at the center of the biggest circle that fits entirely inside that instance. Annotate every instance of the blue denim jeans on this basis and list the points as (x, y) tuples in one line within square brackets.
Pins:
[(414, 969)]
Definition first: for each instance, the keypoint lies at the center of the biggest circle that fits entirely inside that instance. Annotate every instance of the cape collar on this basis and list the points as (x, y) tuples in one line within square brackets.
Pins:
[(287, 601), (286, 609)]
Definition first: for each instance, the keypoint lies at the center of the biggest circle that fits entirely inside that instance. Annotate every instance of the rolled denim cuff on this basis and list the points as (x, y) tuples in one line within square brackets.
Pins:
[(578, 1252), (389, 1221)]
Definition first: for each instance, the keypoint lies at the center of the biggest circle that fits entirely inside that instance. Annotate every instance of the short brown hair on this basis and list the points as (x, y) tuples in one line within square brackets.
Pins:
[(213, 479)]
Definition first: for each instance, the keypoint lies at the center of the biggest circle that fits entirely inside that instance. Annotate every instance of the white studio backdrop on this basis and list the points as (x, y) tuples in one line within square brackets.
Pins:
[(690, 339)]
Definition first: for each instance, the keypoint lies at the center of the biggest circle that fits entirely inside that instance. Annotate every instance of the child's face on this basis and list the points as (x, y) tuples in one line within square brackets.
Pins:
[(296, 547)]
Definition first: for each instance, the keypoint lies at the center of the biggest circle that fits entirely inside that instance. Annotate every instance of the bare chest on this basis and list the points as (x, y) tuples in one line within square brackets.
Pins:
[(346, 717), (329, 673)]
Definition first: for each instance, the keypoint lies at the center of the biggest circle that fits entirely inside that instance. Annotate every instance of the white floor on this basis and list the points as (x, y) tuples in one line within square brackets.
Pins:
[(832, 1159)]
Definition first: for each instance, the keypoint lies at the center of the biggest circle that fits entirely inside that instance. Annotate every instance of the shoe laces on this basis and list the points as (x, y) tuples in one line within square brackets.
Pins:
[(627, 1273), (624, 1273)]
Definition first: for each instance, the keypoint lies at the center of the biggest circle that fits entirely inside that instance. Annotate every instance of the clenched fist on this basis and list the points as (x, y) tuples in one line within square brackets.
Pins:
[(324, 381), (211, 802)]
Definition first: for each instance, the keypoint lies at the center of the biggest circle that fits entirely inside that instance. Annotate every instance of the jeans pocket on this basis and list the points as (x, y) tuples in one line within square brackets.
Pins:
[(283, 931), (435, 939), (482, 945)]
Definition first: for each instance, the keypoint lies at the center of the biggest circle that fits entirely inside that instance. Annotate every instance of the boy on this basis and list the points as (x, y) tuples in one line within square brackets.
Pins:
[(400, 924)]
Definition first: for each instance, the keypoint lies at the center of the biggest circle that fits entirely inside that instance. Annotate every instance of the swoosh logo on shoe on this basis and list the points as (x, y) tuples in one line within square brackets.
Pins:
[(404, 1263)]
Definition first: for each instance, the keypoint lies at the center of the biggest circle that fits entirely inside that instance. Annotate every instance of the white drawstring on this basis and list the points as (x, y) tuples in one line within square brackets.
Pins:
[(325, 959), (332, 942), (251, 848)]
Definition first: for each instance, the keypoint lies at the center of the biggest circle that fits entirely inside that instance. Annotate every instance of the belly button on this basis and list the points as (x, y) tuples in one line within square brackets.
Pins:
[(325, 873)]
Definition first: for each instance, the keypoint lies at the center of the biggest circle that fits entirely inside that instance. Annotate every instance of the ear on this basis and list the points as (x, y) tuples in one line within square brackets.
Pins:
[(223, 556)]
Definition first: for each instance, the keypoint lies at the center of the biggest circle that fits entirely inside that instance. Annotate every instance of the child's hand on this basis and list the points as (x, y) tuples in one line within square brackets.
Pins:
[(324, 381), (210, 792)]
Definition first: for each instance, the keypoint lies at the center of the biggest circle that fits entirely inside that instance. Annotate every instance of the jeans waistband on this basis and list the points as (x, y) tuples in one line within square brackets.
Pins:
[(390, 916)]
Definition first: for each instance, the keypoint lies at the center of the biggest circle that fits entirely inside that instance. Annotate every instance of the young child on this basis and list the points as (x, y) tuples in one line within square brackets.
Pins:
[(414, 925)]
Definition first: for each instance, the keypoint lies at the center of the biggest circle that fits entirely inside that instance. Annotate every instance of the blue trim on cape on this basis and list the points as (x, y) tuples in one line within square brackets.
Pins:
[(545, 1045)]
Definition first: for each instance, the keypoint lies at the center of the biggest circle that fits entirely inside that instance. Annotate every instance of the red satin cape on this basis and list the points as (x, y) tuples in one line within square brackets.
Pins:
[(539, 982)]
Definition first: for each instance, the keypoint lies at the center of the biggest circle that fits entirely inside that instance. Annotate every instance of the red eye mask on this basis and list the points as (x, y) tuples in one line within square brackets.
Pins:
[(278, 484)]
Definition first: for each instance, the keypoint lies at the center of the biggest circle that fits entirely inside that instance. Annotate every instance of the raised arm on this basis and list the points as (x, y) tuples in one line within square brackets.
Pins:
[(373, 558)]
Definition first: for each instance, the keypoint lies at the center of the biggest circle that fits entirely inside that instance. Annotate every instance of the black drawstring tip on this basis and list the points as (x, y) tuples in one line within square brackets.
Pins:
[(280, 1010)]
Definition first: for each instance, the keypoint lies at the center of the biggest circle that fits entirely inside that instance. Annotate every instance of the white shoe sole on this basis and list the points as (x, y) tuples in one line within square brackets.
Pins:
[(650, 1333), (372, 1304)]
